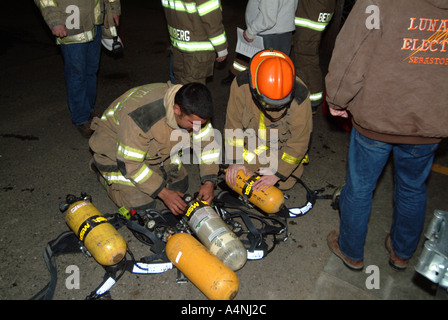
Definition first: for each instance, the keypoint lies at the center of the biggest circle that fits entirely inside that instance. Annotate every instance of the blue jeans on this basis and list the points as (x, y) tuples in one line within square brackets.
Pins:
[(81, 63), (366, 161)]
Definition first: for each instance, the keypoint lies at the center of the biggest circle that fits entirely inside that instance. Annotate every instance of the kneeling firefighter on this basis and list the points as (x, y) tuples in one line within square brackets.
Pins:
[(268, 122), (136, 150)]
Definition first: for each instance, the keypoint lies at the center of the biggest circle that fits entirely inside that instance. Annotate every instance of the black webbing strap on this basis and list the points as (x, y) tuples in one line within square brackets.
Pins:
[(67, 242)]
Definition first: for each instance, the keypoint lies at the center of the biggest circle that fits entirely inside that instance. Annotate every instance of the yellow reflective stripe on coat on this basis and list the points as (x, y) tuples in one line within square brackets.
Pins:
[(113, 112), (306, 23), (130, 153), (116, 177), (262, 127), (142, 175), (204, 133), (47, 3), (83, 37), (180, 6), (316, 96), (234, 142), (219, 40), (239, 66), (190, 7), (208, 7), (208, 157), (293, 160), (248, 156), (176, 159), (192, 46)]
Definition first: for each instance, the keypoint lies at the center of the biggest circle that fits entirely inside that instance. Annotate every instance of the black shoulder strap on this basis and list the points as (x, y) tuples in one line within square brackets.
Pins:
[(67, 242), (301, 92), (242, 78)]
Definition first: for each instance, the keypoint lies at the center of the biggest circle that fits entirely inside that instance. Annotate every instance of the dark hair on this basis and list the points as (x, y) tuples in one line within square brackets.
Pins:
[(195, 98)]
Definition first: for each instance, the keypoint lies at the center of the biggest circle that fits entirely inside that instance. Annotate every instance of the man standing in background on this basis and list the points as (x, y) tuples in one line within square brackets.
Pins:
[(76, 24), (197, 38), (312, 18)]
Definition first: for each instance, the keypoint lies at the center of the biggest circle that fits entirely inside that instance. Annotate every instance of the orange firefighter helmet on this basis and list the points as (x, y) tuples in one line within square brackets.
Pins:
[(272, 79)]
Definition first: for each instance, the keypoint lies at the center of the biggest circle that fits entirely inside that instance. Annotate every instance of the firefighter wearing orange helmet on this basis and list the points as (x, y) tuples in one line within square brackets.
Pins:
[(269, 122)]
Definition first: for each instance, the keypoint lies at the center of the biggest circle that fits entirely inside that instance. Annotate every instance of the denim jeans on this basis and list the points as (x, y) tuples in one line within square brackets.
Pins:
[(81, 63), (366, 161)]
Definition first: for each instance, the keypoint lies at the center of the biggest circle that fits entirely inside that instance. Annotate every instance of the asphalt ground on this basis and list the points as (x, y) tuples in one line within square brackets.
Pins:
[(43, 158)]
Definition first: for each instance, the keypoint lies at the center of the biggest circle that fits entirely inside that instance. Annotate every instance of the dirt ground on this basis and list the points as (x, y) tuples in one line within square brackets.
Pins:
[(43, 158)]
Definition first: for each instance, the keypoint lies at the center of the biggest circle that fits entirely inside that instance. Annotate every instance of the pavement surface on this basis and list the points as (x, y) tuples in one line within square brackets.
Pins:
[(43, 158)]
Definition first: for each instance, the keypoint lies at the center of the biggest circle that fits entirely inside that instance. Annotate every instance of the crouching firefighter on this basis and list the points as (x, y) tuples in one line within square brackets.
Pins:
[(137, 155), (269, 114)]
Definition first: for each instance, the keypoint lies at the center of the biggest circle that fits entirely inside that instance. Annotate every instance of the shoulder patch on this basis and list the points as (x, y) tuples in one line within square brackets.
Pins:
[(242, 77), (301, 92), (147, 115)]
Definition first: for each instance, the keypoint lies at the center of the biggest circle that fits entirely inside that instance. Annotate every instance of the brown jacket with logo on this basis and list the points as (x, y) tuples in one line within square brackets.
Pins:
[(389, 69)]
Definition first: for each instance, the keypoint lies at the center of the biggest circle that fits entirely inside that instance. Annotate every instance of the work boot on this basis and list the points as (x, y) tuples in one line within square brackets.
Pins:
[(85, 130), (333, 244), (335, 198), (395, 262)]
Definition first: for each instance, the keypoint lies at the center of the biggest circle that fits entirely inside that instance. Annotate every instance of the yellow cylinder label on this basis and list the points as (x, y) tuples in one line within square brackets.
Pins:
[(89, 224), (196, 204), (247, 189)]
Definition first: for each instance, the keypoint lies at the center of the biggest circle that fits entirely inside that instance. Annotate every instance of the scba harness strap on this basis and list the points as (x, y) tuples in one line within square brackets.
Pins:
[(311, 197), (254, 238), (153, 233), (68, 243)]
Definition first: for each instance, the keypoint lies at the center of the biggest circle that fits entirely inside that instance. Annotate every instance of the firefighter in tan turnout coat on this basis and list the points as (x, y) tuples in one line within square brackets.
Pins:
[(197, 38), (272, 108), (137, 145)]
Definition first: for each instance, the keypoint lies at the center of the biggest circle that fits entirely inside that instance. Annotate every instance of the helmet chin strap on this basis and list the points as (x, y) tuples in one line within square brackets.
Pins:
[(265, 112), (278, 118)]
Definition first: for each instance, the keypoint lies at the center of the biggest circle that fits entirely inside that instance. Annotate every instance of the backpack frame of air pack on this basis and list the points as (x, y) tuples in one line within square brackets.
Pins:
[(260, 233)]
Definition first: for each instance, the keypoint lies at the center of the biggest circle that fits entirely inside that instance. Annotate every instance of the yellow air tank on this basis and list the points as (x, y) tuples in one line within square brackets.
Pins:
[(102, 240), (214, 233), (204, 270), (269, 200)]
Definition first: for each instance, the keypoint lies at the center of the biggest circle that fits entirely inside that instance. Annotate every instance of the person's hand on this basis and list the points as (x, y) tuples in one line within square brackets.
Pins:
[(232, 172), (59, 31), (116, 19), (221, 59), (339, 113), (173, 200), (246, 38), (267, 179), (207, 192)]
